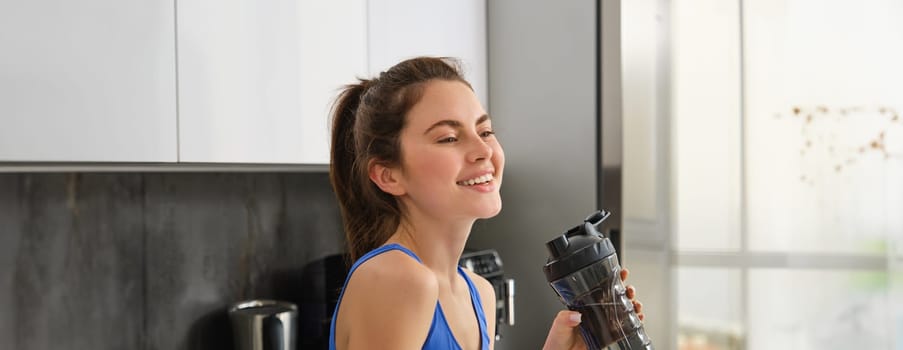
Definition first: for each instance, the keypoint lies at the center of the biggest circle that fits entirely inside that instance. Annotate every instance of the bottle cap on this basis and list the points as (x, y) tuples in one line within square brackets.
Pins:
[(577, 248)]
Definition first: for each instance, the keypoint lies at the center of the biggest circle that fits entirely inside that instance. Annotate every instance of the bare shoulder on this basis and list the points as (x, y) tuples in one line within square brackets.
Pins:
[(389, 300), (397, 274), (395, 264)]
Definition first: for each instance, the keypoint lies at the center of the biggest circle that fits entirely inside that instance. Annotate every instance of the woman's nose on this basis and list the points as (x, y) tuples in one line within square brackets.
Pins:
[(480, 150)]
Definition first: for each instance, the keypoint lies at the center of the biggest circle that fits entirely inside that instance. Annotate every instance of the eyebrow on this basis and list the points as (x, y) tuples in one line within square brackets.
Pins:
[(454, 123)]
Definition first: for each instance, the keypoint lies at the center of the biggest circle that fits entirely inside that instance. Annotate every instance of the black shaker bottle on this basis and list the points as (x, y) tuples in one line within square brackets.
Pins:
[(583, 269)]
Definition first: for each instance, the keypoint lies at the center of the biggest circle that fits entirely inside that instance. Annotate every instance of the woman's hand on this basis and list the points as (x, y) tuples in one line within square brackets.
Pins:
[(564, 334)]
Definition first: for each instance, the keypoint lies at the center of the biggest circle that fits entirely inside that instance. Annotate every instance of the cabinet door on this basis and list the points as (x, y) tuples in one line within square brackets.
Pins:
[(400, 29), (256, 78), (87, 80)]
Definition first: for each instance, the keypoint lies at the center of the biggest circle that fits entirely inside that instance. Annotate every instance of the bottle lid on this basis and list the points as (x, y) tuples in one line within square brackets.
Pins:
[(578, 247)]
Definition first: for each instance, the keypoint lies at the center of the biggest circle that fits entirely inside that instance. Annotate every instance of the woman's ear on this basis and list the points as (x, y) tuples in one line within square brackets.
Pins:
[(386, 178)]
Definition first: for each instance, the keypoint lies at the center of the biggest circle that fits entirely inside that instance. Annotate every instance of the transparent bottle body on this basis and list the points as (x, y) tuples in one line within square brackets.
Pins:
[(609, 319)]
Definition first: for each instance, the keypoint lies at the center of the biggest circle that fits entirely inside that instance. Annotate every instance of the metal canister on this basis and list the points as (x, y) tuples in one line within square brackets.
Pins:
[(264, 325)]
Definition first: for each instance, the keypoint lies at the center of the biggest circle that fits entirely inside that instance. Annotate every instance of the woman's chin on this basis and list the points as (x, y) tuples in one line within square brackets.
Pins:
[(490, 210)]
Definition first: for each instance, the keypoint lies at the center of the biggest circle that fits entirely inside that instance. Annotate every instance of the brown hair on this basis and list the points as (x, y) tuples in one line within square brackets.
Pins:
[(367, 120)]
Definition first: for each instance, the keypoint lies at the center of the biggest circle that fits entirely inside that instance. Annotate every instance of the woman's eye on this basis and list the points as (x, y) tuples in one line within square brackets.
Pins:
[(487, 133), (449, 139)]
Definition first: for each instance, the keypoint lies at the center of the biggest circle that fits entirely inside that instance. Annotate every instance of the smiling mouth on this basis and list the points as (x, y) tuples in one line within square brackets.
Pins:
[(476, 181)]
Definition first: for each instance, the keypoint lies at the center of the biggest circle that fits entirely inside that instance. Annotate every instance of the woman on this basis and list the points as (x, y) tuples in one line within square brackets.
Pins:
[(414, 162)]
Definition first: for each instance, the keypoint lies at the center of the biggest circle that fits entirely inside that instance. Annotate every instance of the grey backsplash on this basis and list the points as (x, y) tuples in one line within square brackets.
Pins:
[(152, 260)]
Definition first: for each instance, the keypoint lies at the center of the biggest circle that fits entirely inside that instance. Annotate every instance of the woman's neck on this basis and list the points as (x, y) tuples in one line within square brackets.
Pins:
[(437, 242)]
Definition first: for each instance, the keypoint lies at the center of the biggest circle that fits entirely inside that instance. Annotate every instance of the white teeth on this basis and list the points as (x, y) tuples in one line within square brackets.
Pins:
[(479, 180)]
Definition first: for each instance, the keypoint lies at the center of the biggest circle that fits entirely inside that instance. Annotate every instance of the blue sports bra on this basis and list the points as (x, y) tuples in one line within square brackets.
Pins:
[(440, 336)]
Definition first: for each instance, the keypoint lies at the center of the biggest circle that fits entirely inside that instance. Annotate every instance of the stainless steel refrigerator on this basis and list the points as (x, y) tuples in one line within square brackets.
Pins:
[(555, 102)]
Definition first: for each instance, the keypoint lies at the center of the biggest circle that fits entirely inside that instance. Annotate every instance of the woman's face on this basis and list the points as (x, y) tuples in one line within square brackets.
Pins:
[(451, 161)]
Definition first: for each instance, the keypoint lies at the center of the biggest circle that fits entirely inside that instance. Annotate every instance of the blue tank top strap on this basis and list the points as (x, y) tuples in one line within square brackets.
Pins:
[(378, 251), (478, 308)]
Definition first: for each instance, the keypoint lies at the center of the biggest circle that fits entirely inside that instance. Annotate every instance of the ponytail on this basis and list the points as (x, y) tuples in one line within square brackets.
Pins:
[(342, 153), (365, 228)]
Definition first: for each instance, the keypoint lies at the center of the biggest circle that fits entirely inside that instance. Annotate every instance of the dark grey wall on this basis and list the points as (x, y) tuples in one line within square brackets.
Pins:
[(542, 98), (151, 261)]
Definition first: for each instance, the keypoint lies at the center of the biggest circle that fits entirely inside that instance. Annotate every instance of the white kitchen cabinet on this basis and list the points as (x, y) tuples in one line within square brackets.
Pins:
[(400, 29), (256, 78), (90, 81), (206, 81)]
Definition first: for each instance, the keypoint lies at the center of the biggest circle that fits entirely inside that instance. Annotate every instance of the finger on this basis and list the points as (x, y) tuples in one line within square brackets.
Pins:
[(631, 292), (624, 273), (638, 307), (568, 319), (641, 316), (565, 322), (563, 335)]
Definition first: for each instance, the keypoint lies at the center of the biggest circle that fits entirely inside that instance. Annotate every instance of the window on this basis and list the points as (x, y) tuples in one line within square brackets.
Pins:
[(787, 173)]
